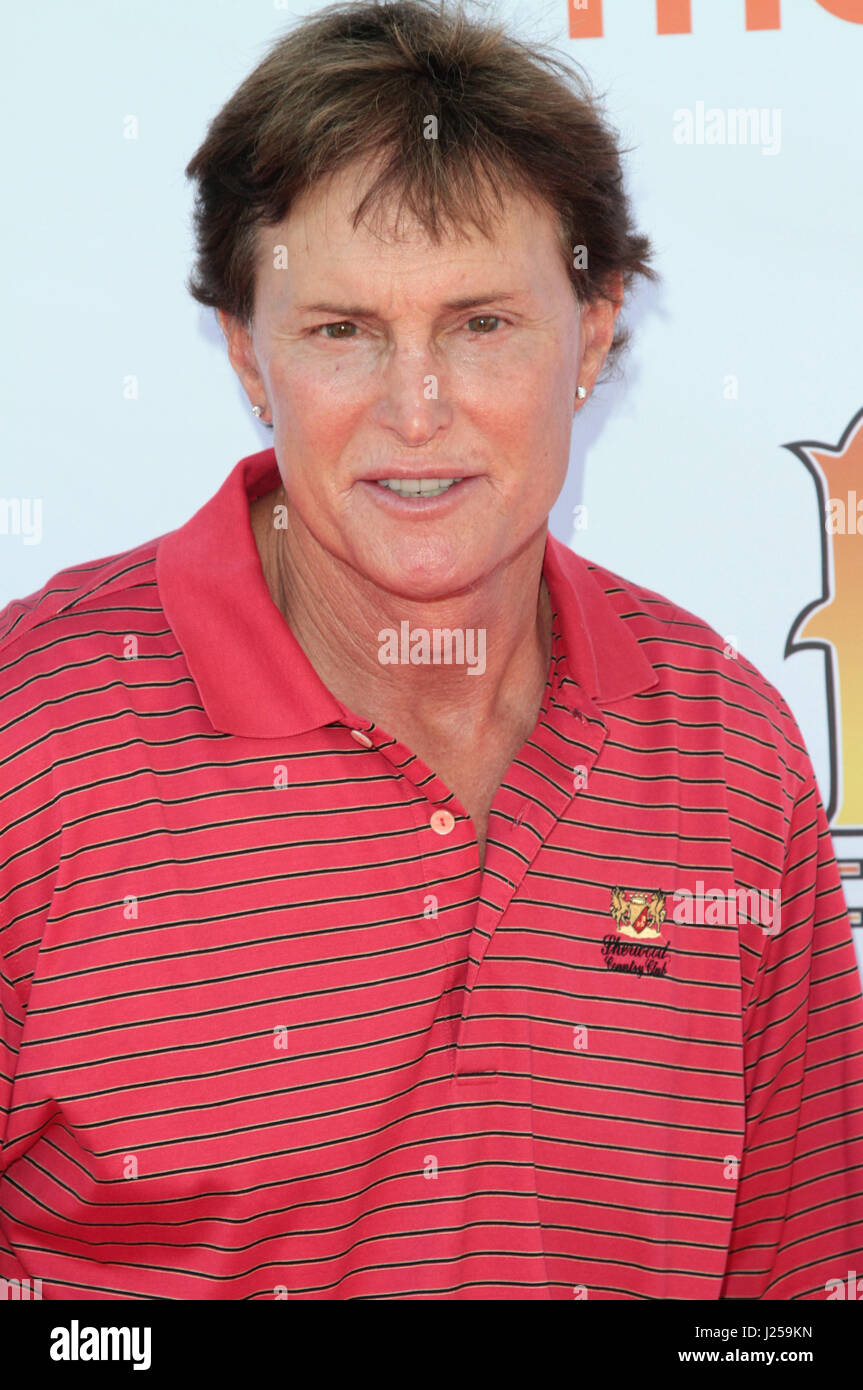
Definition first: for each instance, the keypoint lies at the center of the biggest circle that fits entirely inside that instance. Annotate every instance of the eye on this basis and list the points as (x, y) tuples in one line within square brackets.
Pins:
[(343, 323), (484, 319)]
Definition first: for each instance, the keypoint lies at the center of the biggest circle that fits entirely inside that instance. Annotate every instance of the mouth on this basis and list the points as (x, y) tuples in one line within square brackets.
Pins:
[(426, 496), (418, 487)]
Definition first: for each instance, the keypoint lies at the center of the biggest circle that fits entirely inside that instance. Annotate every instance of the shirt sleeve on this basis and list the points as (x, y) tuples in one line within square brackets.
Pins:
[(26, 877), (30, 841), (11, 1029), (11, 1024), (798, 1220)]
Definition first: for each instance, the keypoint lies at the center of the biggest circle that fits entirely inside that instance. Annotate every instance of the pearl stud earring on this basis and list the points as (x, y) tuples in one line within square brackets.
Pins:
[(581, 392)]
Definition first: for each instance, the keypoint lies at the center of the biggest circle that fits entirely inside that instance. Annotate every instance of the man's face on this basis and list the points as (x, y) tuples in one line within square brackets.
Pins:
[(386, 358)]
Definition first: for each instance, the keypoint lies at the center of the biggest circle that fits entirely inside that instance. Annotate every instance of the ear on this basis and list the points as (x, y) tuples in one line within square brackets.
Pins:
[(241, 355), (598, 319)]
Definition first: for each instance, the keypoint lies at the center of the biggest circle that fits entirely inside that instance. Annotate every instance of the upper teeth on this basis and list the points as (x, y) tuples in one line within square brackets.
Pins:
[(418, 487)]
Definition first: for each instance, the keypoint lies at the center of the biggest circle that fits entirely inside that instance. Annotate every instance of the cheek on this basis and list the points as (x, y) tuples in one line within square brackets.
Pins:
[(525, 417), (522, 389), (501, 405), (317, 414)]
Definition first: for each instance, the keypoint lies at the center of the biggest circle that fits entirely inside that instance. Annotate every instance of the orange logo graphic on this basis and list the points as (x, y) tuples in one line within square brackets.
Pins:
[(832, 623), (675, 16)]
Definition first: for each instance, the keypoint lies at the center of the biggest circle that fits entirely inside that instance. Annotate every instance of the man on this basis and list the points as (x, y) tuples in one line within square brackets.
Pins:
[(337, 970)]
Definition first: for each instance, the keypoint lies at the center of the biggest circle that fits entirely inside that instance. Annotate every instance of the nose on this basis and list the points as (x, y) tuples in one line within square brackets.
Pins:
[(414, 401)]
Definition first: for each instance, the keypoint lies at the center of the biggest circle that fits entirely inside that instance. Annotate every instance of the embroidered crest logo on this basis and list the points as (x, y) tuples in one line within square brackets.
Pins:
[(638, 912), (637, 947)]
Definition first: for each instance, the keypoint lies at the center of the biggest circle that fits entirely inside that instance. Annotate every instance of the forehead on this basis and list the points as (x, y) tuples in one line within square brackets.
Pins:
[(320, 236)]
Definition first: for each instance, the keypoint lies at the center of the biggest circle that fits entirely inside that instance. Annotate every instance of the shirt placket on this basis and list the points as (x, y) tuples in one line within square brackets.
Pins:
[(447, 857), (541, 782), (536, 794)]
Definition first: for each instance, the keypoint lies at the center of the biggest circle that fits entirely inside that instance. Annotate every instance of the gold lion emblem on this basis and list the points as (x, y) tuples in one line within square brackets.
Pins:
[(638, 912)]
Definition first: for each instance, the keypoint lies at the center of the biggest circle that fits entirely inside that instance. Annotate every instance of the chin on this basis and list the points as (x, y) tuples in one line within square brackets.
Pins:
[(424, 582)]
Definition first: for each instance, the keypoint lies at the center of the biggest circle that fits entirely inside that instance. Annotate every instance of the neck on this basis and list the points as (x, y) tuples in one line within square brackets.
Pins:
[(337, 616)]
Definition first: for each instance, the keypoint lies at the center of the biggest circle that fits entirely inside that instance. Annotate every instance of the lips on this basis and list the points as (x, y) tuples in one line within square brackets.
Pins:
[(396, 474), (417, 487), (418, 495)]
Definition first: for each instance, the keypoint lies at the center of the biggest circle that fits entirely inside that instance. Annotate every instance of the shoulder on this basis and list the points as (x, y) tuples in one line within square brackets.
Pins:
[(62, 647), (66, 686), (703, 679), (73, 601)]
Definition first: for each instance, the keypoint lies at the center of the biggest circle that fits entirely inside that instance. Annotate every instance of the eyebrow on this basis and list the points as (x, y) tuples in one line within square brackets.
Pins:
[(361, 312)]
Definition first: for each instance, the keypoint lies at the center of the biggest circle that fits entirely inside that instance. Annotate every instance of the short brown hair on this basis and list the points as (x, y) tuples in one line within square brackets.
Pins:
[(359, 80)]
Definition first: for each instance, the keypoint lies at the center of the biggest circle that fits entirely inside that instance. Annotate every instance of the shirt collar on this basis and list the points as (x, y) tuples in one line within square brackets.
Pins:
[(254, 678)]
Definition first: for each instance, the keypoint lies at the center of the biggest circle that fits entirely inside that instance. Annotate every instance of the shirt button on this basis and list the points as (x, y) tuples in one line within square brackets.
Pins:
[(442, 822), (361, 738)]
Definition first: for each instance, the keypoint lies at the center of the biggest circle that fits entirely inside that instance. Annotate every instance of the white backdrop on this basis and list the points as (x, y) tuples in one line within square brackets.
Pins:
[(122, 414)]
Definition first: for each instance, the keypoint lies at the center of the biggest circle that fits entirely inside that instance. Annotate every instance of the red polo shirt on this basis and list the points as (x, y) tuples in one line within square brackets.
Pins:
[(269, 1031)]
